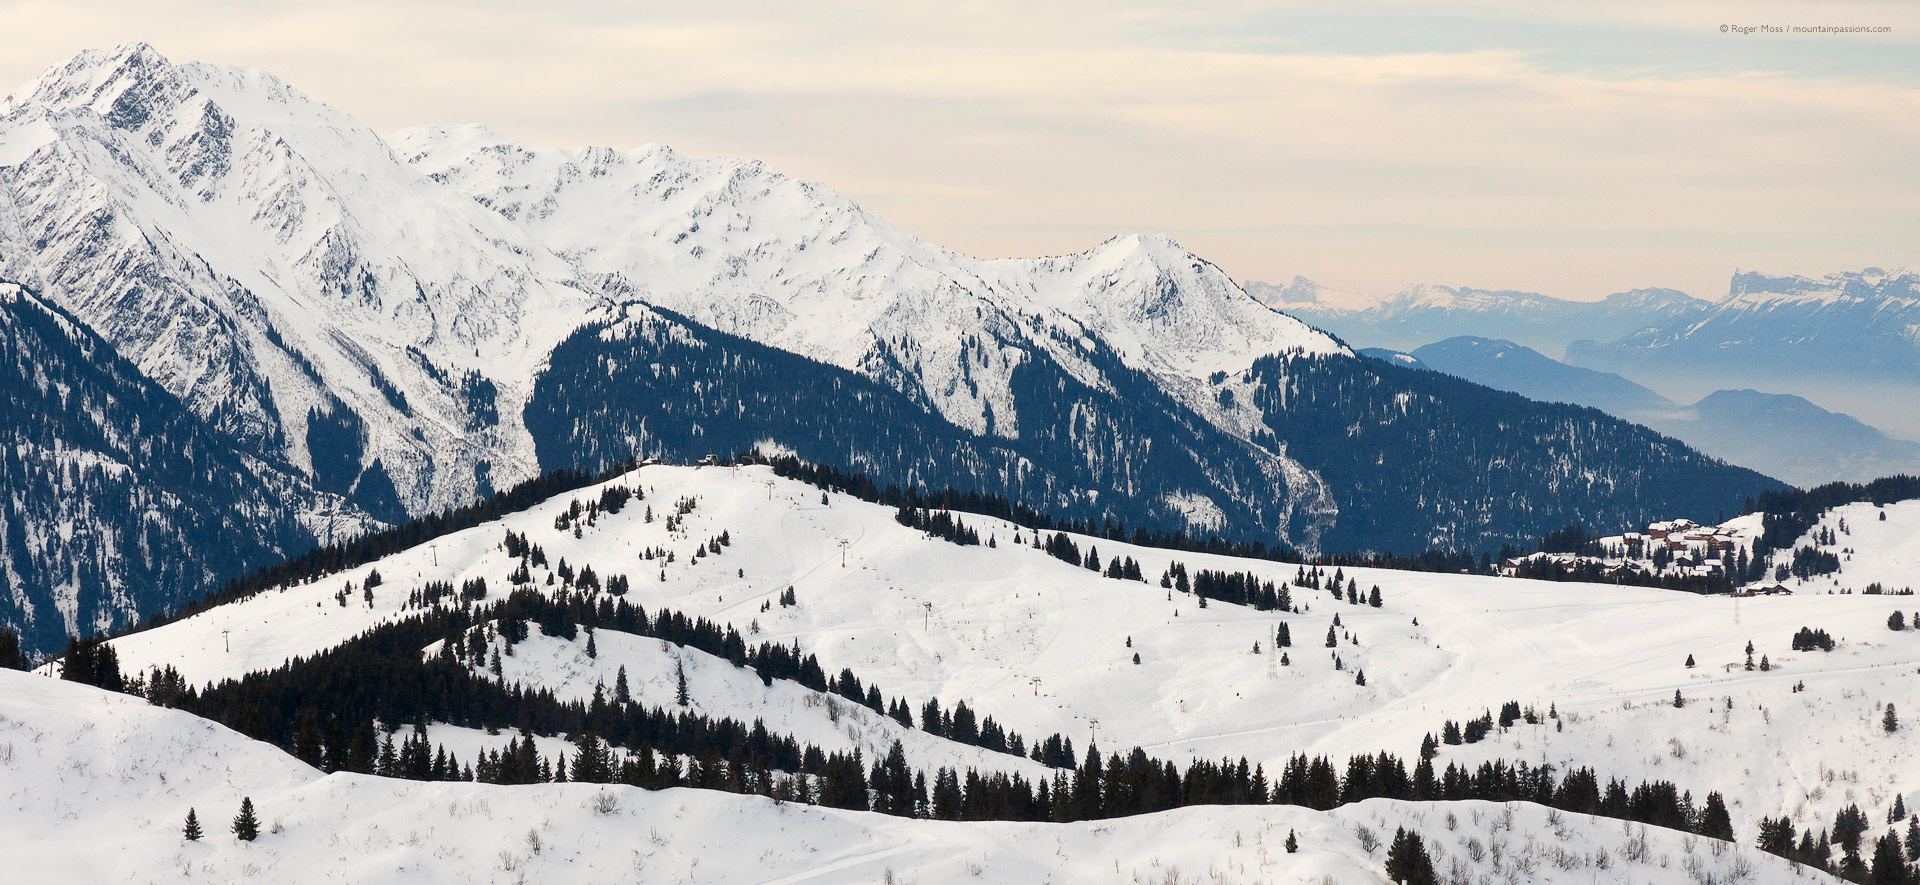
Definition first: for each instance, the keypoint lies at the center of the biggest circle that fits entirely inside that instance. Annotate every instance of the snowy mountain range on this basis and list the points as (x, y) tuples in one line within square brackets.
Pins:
[(306, 266), (405, 324)]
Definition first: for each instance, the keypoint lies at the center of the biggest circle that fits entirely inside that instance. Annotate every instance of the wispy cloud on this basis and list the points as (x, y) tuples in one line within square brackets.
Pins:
[(1569, 148)]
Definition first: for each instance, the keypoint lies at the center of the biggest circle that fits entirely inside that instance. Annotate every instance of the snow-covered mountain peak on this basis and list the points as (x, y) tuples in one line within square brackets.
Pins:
[(93, 78)]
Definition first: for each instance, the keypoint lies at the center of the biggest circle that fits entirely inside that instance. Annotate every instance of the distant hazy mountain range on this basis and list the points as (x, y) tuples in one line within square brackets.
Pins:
[(1846, 341), (1424, 313), (1843, 325), (1779, 434)]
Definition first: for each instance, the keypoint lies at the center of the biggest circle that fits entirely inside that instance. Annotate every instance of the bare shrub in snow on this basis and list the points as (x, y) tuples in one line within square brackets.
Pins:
[(604, 802), (1368, 841), (1475, 851), (1636, 849)]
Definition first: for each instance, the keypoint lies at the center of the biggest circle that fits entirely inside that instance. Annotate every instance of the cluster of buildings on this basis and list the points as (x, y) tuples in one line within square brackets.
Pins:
[(1673, 547)]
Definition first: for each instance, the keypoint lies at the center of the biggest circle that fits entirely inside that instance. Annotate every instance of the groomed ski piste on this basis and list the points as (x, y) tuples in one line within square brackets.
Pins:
[(1044, 647)]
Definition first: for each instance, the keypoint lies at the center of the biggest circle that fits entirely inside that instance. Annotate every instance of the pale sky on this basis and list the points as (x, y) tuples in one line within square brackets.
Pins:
[(1545, 146)]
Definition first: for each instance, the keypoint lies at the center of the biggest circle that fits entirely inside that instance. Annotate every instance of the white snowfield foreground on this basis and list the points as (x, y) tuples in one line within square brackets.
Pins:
[(94, 787), (1043, 647)]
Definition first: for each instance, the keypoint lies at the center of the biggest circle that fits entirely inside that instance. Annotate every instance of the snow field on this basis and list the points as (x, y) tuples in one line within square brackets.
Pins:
[(96, 787), (1041, 645)]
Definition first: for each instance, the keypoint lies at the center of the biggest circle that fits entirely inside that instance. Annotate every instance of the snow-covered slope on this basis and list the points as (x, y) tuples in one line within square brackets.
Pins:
[(1875, 545), (96, 787), (718, 689), (740, 248), (1048, 647)]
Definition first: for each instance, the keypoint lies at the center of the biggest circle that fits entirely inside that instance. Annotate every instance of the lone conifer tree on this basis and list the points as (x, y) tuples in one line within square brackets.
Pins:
[(1689, 662), (1890, 721), (1714, 821), (1407, 860), (192, 829), (1888, 863), (246, 827), (1678, 701), (622, 694), (11, 657), (680, 688), (1360, 677), (1293, 844)]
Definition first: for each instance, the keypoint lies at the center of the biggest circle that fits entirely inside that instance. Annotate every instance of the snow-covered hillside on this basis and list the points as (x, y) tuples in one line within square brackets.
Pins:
[(1875, 545), (96, 786), (1045, 647), (717, 688)]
